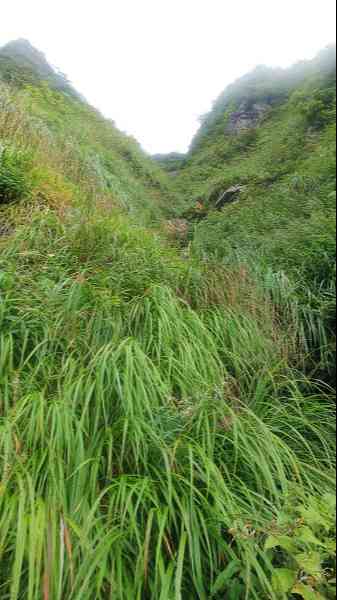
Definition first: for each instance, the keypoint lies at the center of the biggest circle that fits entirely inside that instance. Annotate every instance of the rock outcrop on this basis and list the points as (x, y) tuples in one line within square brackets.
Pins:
[(247, 117), (229, 196)]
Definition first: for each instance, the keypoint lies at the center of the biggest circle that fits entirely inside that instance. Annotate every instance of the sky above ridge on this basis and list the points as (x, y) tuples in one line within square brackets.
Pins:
[(155, 66)]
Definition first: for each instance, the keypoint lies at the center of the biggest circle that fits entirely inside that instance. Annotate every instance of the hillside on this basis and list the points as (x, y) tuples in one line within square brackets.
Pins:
[(22, 64), (259, 182), (45, 118), (261, 170), (167, 421), (170, 162)]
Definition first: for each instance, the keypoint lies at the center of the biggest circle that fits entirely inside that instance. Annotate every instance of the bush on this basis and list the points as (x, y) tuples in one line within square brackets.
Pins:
[(316, 107), (298, 546), (14, 183), (301, 546)]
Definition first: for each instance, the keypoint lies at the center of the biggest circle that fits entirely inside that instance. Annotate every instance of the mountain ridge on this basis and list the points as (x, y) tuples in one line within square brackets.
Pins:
[(114, 160), (21, 63)]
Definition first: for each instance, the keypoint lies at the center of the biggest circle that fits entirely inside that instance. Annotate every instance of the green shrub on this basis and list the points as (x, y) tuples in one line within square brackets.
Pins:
[(14, 183), (301, 545), (316, 106), (298, 548)]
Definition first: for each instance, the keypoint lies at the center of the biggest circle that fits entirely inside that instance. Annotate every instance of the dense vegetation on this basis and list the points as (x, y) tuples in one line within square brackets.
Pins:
[(21, 64), (170, 162), (166, 420), (285, 217)]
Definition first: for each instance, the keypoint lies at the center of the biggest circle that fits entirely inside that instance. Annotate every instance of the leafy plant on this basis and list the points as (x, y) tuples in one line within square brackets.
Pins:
[(316, 106), (14, 182), (302, 549)]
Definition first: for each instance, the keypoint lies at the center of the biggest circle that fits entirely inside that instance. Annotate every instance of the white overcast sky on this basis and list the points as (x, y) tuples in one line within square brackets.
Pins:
[(154, 66)]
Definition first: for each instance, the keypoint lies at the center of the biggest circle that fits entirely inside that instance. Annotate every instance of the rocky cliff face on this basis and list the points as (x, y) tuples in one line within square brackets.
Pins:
[(247, 117)]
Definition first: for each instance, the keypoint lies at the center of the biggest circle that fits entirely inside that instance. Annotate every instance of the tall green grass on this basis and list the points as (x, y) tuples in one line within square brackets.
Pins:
[(164, 430), (74, 151), (154, 426)]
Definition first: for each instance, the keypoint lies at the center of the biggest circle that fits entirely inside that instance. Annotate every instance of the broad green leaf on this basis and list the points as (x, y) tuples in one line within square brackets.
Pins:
[(330, 500), (310, 562), (306, 592), (224, 577), (314, 518), (306, 535), (331, 546), (282, 541), (284, 580)]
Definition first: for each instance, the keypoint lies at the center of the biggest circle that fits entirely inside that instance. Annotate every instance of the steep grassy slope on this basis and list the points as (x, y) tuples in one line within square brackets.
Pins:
[(291, 110), (284, 163), (160, 437), (22, 64), (44, 125), (272, 137)]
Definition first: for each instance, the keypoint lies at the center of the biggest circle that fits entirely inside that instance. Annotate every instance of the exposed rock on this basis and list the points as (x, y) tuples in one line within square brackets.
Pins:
[(229, 196), (246, 117)]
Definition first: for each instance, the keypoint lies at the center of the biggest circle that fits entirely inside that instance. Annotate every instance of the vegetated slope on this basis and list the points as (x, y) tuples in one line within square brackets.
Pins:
[(55, 128), (21, 63), (170, 162), (159, 435), (260, 179), (242, 136)]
